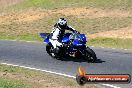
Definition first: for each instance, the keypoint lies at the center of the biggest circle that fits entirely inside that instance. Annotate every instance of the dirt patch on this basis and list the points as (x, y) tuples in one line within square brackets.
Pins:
[(93, 12), (121, 33), (25, 16), (31, 15), (5, 3)]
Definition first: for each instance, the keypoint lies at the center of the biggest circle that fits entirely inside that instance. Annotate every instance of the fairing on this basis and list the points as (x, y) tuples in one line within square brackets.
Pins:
[(77, 41), (45, 36)]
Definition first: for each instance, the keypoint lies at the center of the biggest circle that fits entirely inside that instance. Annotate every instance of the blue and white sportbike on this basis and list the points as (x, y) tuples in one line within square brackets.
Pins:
[(74, 44)]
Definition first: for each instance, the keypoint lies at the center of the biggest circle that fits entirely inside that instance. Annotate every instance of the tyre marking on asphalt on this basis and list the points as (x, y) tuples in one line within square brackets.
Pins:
[(61, 74)]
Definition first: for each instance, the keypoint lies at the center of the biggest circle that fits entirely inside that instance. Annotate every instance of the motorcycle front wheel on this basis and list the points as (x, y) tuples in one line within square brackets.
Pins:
[(90, 55)]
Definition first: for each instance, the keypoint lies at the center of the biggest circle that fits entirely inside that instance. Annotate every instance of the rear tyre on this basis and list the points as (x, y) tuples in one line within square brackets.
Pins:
[(59, 53), (49, 49), (90, 55), (55, 53)]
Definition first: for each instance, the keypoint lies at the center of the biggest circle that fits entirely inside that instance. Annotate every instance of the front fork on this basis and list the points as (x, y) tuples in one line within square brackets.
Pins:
[(82, 51)]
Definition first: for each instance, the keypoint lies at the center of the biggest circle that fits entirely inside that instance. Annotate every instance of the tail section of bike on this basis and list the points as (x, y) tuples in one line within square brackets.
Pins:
[(45, 36)]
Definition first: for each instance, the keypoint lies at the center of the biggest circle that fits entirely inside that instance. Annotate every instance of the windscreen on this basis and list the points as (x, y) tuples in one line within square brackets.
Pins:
[(75, 36)]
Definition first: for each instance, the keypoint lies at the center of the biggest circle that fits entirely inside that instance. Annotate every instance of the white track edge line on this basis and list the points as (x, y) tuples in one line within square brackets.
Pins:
[(109, 85), (61, 74)]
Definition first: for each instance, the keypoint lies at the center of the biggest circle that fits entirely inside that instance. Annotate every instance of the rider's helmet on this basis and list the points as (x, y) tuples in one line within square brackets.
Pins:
[(62, 23)]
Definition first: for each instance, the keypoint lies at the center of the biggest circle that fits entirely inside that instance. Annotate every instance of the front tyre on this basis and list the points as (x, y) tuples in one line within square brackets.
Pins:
[(90, 55)]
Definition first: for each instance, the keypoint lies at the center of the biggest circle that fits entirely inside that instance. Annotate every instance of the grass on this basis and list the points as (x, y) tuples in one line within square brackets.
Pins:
[(27, 37), (51, 4), (111, 42), (95, 25), (8, 83), (16, 77), (4, 4)]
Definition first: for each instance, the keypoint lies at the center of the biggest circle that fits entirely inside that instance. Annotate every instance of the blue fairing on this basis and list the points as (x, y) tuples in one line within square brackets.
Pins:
[(45, 36), (65, 39), (42, 35), (76, 42), (46, 40), (83, 38)]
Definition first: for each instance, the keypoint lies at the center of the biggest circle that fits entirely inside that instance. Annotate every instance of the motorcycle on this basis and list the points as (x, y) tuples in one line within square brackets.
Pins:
[(74, 44)]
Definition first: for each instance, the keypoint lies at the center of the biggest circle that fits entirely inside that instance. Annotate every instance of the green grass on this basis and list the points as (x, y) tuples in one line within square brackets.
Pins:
[(26, 37), (51, 4), (8, 83), (111, 42), (25, 78)]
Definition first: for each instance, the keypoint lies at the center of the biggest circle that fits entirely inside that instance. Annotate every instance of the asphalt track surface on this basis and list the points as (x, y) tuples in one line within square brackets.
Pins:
[(33, 54)]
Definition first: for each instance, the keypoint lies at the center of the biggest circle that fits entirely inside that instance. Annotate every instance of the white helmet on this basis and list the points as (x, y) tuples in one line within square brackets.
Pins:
[(62, 22)]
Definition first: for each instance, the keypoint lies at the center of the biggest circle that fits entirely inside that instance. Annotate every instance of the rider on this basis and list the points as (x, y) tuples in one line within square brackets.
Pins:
[(57, 33)]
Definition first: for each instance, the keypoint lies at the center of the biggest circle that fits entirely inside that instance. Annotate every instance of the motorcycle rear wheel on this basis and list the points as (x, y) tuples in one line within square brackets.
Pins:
[(50, 51)]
